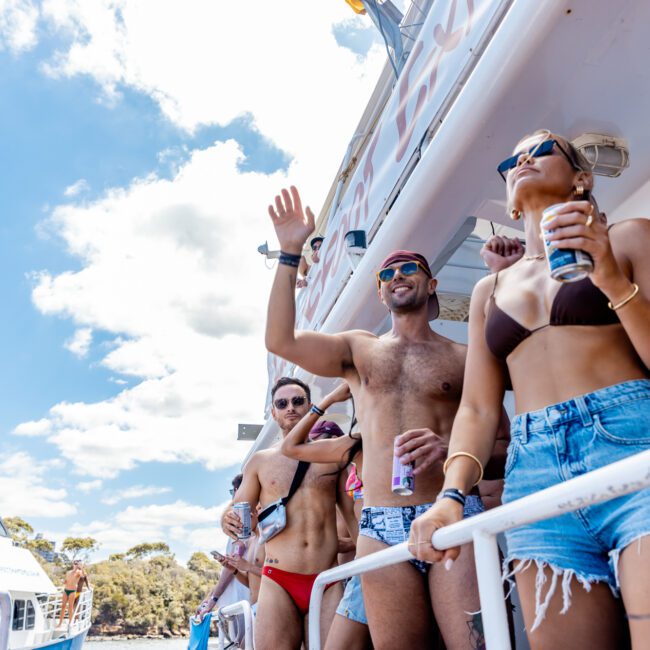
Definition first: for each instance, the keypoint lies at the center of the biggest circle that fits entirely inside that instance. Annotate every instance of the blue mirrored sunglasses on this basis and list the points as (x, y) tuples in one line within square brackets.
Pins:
[(408, 268), (544, 148)]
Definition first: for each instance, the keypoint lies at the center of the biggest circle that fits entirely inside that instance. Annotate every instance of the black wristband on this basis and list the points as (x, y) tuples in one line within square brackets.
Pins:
[(317, 411), (289, 259), (454, 494)]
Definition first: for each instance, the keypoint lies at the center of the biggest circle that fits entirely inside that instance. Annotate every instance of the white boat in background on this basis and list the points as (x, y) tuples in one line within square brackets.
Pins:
[(30, 604)]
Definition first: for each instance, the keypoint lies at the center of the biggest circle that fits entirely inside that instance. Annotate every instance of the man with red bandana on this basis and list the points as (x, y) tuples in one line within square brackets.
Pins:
[(407, 385)]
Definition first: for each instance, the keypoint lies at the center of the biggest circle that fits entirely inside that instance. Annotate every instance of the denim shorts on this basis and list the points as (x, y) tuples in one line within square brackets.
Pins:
[(563, 441), (351, 605)]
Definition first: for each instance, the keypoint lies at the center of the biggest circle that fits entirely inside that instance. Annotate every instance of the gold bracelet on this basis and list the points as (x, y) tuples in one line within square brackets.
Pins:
[(468, 455), (635, 290)]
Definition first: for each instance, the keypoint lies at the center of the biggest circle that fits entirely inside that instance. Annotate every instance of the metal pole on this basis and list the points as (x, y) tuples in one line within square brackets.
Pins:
[(380, 559), (222, 632), (240, 607), (490, 588), (628, 475)]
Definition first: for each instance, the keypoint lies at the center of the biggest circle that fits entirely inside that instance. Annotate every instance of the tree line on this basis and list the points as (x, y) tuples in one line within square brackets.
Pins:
[(142, 591)]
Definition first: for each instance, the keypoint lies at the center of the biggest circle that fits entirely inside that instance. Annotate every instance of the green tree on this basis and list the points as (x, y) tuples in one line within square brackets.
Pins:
[(146, 549), (18, 529), (200, 563), (79, 547), (41, 545)]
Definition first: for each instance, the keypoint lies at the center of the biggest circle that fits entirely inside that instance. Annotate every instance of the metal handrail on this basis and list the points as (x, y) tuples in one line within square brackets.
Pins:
[(615, 480), (240, 607)]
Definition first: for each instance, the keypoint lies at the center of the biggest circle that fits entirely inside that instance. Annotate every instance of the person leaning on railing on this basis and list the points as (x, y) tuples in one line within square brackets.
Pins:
[(578, 356)]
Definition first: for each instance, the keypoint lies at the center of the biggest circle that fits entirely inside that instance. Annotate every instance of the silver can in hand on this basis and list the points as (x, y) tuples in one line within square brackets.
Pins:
[(403, 481), (565, 264), (243, 511)]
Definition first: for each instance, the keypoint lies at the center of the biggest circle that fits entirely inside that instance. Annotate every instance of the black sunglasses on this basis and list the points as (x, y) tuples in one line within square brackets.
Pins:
[(544, 148), (282, 403)]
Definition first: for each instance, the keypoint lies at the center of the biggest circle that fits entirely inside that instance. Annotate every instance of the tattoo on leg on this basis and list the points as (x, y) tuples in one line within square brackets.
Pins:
[(476, 636)]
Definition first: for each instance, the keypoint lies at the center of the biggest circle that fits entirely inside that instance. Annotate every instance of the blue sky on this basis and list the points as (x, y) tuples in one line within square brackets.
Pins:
[(133, 194)]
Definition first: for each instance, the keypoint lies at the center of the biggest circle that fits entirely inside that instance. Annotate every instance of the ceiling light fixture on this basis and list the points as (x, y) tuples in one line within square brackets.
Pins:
[(607, 155)]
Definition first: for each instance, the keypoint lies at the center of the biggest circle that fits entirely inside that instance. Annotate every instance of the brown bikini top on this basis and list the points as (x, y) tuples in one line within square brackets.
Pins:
[(576, 303)]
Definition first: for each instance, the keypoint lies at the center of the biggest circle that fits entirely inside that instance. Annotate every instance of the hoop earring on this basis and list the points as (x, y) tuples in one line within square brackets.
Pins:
[(579, 191), (515, 214)]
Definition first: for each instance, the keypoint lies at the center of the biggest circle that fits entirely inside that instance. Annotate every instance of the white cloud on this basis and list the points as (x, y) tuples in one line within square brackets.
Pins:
[(89, 486), (18, 22), (79, 344), (184, 526), (35, 428), (76, 188), (134, 492), (283, 66), (169, 266), (25, 488)]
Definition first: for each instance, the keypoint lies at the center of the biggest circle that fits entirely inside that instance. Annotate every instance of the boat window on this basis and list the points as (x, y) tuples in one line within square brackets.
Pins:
[(19, 615), (30, 618)]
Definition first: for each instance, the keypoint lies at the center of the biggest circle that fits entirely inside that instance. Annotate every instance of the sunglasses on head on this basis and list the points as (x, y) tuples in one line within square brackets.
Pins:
[(282, 403), (544, 148), (408, 268)]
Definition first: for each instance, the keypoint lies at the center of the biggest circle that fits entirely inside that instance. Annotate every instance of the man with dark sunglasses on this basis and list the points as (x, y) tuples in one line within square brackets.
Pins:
[(309, 542), (406, 386)]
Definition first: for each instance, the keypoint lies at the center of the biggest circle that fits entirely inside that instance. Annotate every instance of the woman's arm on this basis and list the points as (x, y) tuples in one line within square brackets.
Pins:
[(295, 444), (480, 414), (630, 241), (474, 430)]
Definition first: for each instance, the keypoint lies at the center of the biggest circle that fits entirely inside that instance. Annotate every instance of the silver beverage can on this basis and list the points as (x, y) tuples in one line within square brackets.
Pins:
[(565, 264), (403, 481), (243, 511)]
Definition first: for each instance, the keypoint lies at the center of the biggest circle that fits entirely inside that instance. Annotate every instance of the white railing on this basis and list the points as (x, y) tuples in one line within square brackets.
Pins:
[(81, 617), (5, 619), (223, 613), (615, 480), (51, 607)]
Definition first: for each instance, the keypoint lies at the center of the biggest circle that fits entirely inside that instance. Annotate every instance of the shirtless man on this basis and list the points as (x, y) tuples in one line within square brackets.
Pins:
[(406, 382), (72, 579), (307, 545)]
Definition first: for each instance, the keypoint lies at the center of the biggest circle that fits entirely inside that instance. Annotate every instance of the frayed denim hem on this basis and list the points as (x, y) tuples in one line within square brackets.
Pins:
[(542, 602), (615, 554)]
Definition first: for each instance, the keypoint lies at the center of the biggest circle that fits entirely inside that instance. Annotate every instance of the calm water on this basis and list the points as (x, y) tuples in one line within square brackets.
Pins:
[(137, 644)]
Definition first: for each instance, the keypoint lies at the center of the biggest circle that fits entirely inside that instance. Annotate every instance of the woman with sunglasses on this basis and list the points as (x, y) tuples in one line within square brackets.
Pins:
[(350, 626), (577, 355)]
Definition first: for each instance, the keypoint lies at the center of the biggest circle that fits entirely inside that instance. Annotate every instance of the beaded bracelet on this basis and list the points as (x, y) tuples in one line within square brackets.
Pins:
[(289, 259)]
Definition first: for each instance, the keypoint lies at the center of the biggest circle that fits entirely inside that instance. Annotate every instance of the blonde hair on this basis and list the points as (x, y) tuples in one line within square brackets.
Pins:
[(578, 160)]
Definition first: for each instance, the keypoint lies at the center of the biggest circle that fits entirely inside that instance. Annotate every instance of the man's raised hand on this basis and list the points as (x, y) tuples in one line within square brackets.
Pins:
[(292, 224)]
